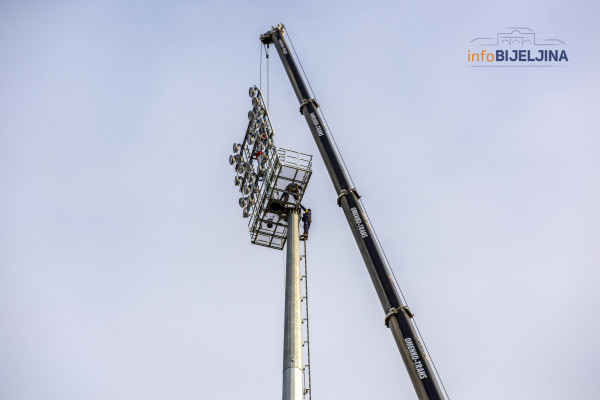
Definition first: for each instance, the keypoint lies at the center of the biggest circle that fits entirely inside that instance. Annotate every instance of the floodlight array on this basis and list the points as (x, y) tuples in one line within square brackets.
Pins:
[(253, 158), (271, 180)]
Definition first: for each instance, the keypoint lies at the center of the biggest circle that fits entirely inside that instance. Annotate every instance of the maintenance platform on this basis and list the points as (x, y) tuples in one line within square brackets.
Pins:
[(268, 222)]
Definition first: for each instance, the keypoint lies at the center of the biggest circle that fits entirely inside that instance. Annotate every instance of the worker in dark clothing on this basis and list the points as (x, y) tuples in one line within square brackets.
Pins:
[(306, 220), (293, 189)]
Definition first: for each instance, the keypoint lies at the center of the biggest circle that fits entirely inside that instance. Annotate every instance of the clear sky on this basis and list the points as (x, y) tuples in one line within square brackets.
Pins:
[(126, 270)]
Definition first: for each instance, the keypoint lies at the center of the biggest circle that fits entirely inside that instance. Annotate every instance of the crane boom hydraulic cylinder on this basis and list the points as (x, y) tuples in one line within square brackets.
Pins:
[(397, 315)]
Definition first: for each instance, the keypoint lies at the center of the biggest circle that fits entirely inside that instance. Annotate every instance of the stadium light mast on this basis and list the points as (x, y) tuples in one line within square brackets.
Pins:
[(273, 182), (293, 364)]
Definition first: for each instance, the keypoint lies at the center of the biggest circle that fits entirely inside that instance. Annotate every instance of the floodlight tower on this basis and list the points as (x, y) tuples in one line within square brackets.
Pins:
[(272, 191)]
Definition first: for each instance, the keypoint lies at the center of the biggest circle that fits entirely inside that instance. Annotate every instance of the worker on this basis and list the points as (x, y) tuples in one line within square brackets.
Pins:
[(292, 188), (261, 159), (306, 220)]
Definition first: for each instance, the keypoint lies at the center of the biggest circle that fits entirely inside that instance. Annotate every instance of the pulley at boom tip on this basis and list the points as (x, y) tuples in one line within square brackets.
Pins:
[(266, 38)]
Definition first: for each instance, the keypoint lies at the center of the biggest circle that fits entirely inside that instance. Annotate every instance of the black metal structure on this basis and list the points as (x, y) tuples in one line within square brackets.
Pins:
[(397, 315)]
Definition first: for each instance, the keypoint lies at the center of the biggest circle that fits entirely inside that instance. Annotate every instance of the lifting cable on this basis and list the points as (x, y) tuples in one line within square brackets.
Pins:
[(266, 48), (267, 56), (388, 265), (260, 70)]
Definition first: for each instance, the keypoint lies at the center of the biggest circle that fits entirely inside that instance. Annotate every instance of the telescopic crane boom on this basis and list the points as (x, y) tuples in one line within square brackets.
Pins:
[(397, 315)]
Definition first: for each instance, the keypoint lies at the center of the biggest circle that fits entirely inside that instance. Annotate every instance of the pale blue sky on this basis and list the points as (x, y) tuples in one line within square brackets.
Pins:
[(125, 266)]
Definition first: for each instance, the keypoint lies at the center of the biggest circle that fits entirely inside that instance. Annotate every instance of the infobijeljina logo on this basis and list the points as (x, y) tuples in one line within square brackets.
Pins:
[(517, 47)]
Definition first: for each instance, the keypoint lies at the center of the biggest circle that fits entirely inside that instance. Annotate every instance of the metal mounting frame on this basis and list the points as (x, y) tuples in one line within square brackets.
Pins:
[(268, 223)]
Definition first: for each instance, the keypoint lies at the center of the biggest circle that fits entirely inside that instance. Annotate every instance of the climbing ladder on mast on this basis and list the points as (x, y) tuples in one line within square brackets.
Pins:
[(305, 324)]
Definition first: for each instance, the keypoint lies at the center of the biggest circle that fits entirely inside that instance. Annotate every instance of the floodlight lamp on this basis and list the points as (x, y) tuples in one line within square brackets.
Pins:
[(255, 101), (246, 213), (252, 91), (246, 190), (231, 160), (239, 168), (242, 202), (269, 223), (238, 180), (250, 115)]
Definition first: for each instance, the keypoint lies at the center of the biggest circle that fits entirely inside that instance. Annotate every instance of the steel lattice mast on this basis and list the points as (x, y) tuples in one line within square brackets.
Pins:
[(397, 315)]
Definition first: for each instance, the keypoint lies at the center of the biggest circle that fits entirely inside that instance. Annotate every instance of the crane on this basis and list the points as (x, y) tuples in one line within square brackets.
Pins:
[(397, 315)]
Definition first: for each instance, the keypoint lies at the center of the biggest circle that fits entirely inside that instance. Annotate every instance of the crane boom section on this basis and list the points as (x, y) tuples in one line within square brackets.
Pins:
[(398, 317)]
